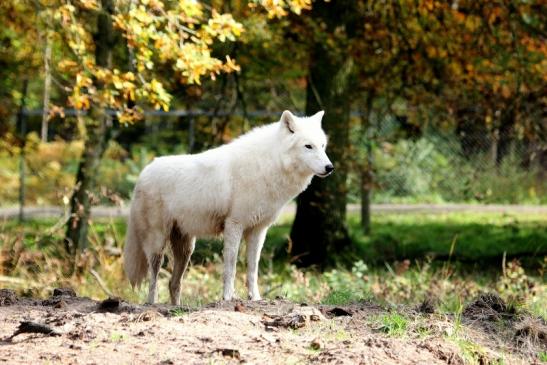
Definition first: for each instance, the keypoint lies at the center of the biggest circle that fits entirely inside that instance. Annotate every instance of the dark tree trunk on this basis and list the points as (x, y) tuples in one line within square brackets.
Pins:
[(98, 125), (22, 123), (366, 192), (366, 166), (505, 136), (319, 231)]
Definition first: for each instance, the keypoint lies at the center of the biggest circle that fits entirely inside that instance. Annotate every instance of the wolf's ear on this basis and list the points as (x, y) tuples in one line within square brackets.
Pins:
[(287, 121), (318, 116)]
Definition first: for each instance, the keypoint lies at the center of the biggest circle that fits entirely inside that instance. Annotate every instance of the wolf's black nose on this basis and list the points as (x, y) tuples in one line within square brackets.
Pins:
[(329, 169)]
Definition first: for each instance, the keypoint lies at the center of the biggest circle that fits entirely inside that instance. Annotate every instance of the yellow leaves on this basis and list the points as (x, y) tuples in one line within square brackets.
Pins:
[(506, 91), (230, 65), (129, 115), (472, 22), (83, 81), (69, 66), (88, 4), (496, 13), (455, 68), (223, 26), (154, 92), (79, 101), (142, 15), (278, 8), (178, 34), (189, 10), (435, 52), (54, 110)]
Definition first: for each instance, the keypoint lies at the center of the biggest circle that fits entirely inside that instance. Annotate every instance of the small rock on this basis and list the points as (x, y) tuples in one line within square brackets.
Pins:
[(69, 292), (233, 353), (110, 304), (316, 344), (338, 312), (239, 307), (7, 297), (61, 304)]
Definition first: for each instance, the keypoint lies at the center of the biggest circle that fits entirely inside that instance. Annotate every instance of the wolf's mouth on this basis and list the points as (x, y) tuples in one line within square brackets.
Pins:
[(324, 175)]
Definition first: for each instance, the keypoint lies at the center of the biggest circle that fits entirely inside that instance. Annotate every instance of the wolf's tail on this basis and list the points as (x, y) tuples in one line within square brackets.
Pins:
[(134, 260)]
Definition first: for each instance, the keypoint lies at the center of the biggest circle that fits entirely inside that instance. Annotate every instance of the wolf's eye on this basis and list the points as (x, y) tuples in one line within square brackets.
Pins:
[(308, 146)]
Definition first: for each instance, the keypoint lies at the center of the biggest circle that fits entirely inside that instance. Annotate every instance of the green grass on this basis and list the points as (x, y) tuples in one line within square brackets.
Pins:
[(394, 324), (476, 237), (378, 274), (340, 297), (178, 312), (484, 236)]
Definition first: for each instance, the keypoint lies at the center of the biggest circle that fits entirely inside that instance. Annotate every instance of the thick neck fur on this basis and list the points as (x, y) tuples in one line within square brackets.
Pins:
[(276, 167)]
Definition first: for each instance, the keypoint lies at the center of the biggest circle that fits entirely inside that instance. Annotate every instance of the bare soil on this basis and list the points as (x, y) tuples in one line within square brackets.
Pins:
[(66, 329)]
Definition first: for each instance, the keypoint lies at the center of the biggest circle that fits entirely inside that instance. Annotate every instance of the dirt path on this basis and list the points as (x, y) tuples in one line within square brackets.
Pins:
[(114, 212), (264, 332)]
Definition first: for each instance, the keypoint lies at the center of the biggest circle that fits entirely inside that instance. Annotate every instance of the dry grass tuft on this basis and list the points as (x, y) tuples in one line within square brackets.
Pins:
[(488, 307), (530, 332)]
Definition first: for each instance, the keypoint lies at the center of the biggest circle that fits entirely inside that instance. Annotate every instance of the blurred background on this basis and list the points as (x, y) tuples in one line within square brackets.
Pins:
[(437, 121)]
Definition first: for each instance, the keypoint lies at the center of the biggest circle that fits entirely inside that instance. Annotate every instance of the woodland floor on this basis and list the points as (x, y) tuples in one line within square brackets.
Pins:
[(84, 331)]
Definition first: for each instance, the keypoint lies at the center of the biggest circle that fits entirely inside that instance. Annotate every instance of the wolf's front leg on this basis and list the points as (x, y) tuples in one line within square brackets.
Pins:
[(232, 237), (255, 241)]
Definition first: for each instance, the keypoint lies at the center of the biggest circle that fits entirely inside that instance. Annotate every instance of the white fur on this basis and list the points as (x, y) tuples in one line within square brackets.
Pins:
[(237, 189)]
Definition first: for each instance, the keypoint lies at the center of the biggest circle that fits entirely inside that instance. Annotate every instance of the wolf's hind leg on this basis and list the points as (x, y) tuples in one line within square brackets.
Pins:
[(182, 246), (255, 241), (232, 238), (154, 265), (154, 247)]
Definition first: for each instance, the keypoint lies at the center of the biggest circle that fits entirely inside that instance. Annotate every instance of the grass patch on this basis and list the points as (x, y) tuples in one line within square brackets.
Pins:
[(34, 261), (394, 324), (471, 352), (476, 236), (340, 297), (178, 312), (117, 337)]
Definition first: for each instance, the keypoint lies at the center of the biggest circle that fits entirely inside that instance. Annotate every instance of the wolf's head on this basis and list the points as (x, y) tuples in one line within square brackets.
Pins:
[(306, 143)]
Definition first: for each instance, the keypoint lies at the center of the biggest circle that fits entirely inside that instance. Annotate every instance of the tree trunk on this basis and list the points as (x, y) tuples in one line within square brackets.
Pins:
[(366, 165), (47, 88), (98, 126), (505, 137), (366, 192), (22, 122), (80, 202), (319, 230)]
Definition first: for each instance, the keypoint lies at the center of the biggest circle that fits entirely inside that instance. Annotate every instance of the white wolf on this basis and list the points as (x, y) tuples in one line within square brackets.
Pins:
[(237, 189)]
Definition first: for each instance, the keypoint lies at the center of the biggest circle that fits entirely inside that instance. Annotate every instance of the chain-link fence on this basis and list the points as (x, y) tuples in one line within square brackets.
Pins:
[(396, 162), (434, 165)]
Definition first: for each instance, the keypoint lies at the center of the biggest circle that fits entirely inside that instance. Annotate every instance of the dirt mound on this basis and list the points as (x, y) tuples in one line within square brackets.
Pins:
[(81, 330), (488, 307)]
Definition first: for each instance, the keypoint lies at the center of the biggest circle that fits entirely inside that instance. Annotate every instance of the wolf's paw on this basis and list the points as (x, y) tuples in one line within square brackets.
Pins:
[(255, 297), (231, 298)]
